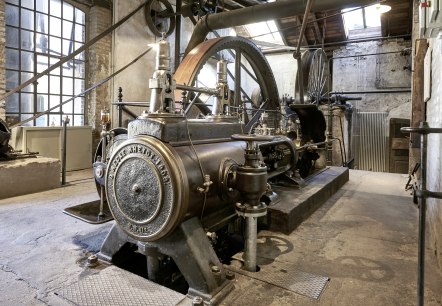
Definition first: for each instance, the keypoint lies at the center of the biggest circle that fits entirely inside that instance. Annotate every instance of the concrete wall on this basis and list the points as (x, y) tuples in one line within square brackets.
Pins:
[(2, 58), (371, 73), (128, 41), (434, 168), (284, 68)]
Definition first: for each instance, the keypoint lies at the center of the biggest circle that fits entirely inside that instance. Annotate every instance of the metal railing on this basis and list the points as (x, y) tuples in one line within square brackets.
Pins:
[(422, 193)]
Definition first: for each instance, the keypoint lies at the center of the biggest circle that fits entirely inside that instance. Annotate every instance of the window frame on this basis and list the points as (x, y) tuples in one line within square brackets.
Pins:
[(77, 113)]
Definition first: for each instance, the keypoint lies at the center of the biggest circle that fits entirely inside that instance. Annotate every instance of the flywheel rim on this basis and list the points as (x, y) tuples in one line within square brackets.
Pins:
[(194, 61)]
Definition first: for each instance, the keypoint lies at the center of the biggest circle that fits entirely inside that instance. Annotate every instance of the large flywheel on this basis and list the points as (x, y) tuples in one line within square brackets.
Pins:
[(248, 70), (314, 76)]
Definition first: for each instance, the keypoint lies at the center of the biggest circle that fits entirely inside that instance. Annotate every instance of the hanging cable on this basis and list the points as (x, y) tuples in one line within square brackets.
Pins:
[(200, 166)]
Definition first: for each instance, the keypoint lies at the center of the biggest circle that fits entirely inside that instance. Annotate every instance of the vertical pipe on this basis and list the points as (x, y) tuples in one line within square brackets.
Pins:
[(300, 79), (120, 107), (177, 33), (63, 151), (250, 249), (103, 160), (329, 134), (422, 215), (237, 99)]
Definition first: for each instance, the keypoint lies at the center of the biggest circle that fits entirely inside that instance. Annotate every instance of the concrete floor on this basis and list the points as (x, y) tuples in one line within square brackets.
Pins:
[(363, 238)]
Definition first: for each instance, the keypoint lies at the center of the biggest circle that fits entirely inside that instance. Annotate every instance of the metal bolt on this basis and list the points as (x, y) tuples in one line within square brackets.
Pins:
[(230, 275), (136, 189), (99, 171), (92, 261), (215, 269), (197, 301)]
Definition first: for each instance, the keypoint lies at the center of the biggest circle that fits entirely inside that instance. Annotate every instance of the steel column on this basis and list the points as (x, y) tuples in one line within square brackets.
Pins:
[(237, 99)]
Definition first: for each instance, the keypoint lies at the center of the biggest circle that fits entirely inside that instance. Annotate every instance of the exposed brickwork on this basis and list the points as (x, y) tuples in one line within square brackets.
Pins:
[(99, 59), (2, 57)]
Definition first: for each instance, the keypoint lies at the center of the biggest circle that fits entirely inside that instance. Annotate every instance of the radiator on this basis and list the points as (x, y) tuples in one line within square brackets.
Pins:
[(369, 140)]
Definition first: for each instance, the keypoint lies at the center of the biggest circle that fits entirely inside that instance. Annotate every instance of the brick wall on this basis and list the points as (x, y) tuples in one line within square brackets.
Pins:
[(99, 67), (2, 57)]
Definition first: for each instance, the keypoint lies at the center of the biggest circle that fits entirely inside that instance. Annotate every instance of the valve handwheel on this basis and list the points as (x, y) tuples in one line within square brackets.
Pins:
[(160, 17)]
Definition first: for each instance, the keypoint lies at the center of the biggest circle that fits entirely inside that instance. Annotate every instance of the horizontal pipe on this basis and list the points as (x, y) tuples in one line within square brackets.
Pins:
[(288, 49), (133, 103), (262, 12), (368, 54), (350, 41), (370, 92)]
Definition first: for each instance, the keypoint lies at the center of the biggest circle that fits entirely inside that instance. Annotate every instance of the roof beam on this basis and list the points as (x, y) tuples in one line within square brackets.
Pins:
[(303, 38), (317, 31)]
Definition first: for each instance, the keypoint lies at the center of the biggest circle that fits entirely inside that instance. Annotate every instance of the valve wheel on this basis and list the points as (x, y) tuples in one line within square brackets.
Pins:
[(160, 17)]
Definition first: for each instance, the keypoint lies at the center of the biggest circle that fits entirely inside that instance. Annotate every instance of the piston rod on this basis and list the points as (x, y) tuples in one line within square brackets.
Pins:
[(208, 91)]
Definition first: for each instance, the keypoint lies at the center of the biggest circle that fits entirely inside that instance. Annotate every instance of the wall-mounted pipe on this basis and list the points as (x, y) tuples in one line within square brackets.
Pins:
[(262, 12), (364, 92)]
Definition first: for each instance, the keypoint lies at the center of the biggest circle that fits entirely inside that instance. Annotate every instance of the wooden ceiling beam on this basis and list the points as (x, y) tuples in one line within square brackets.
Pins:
[(317, 31), (303, 38)]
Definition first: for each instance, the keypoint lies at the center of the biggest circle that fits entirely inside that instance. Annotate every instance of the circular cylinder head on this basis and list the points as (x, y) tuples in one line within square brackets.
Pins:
[(144, 188)]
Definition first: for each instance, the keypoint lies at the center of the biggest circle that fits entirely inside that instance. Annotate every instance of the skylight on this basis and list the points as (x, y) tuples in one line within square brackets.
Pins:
[(266, 31), (363, 22)]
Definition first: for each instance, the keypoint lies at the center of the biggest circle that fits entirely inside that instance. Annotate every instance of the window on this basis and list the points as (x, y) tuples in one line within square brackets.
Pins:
[(266, 31), (38, 34), (363, 22)]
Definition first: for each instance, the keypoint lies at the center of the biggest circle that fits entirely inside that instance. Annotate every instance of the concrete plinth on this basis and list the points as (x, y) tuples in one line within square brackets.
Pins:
[(296, 205), (28, 175)]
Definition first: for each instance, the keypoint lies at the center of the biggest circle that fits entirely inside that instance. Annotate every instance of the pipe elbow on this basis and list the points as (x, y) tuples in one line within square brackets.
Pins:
[(198, 35)]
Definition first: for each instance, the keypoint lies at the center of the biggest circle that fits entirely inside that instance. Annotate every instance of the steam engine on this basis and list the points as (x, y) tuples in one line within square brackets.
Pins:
[(175, 182)]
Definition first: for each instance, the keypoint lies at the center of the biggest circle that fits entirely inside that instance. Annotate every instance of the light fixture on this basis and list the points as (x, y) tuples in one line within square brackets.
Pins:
[(382, 8)]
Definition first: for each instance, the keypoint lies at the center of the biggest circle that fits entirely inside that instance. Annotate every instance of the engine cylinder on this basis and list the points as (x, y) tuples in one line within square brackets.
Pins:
[(157, 178), (152, 186)]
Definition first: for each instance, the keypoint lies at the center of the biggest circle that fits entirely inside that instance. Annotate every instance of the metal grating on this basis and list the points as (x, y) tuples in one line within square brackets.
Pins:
[(114, 286), (282, 275), (369, 140)]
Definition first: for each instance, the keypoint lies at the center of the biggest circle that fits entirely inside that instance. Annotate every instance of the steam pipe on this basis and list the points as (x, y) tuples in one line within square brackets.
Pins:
[(370, 92), (262, 12)]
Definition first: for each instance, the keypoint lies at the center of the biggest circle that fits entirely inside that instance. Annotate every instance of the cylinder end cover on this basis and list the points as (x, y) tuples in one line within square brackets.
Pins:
[(144, 188)]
